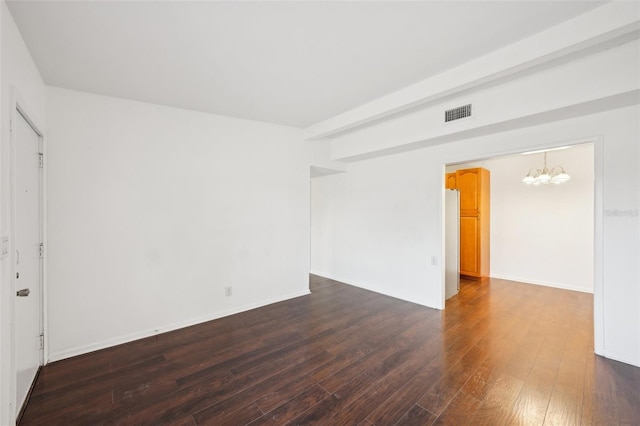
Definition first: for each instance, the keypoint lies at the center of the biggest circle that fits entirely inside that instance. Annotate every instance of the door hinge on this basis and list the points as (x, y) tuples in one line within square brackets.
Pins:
[(41, 250), (41, 340), (40, 160)]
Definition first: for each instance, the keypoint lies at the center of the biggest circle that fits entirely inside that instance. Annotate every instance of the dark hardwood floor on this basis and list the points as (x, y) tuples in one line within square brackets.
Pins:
[(501, 353)]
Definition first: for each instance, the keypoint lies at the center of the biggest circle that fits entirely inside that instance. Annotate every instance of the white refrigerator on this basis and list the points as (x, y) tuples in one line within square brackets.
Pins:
[(452, 243)]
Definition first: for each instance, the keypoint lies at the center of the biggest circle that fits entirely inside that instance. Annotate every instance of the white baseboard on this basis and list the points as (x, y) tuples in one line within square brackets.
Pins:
[(542, 283), (617, 357), (321, 274), (79, 350)]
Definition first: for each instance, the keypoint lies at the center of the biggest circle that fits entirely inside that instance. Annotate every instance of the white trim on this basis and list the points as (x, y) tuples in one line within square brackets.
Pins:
[(616, 357), (79, 350), (598, 246), (542, 283), (468, 158), (443, 238)]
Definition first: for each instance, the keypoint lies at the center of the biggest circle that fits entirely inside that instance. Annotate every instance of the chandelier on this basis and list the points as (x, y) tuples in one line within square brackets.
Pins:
[(545, 175)]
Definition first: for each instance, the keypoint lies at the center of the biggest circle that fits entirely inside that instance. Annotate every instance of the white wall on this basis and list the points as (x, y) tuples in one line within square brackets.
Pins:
[(18, 70), (154, 210), (542, 234), (369, 227), (378, 225)]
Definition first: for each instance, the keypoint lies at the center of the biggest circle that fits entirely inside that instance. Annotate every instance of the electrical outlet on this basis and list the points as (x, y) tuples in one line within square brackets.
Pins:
[(227, 291)]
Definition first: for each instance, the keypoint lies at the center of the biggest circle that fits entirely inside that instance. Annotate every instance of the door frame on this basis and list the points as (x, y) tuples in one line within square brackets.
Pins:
[(18, 106), (598, 219)]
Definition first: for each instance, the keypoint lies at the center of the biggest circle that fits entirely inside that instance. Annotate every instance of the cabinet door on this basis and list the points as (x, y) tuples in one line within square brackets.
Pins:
[(469, 250), (450, 181), (468, 182)]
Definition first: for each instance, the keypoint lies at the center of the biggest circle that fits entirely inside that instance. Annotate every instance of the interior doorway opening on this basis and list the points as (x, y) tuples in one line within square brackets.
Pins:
[(541, 234)]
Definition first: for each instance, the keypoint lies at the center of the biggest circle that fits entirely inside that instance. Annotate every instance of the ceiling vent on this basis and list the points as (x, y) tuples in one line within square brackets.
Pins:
[(457, 113)]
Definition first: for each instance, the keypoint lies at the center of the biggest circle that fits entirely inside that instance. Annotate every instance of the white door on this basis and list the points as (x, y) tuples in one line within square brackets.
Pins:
[(28, 321)]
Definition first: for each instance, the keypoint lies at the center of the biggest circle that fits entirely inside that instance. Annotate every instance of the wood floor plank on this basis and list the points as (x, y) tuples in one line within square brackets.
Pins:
[(209, 407), (273, 385), (247, 415), (378, 392), (293, 407), (460, 411), (391, 410), (390, 352), (445, 389), (628, 393), (496, 408), (531, 405), (565, 405), (291, 388), (417, 416), (318, 414), (500, 353), (230, 363), (348, 393)]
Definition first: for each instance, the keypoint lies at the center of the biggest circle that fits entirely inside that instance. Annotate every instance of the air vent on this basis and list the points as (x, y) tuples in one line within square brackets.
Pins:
[(457, 113)]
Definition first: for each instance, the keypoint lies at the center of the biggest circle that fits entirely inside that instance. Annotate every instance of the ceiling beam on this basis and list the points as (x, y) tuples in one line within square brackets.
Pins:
[(590, 31)]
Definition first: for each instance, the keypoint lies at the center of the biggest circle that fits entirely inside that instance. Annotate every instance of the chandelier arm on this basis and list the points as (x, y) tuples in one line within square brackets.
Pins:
[(545, 175), (556, 170)]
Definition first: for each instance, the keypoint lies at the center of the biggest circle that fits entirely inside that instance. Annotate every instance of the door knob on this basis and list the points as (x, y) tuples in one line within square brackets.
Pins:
[(23, 293)]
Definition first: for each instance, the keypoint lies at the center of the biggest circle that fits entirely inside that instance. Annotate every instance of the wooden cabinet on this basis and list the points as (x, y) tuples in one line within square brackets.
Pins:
[(469, 253), (450, 181), (474, 187), (468, 183)]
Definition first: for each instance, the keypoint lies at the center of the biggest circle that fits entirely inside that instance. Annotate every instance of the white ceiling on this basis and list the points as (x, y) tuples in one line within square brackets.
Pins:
[(291, 63)]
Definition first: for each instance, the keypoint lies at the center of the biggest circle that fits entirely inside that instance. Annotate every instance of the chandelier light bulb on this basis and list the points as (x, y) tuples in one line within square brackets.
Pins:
[(544, 176), (561, 178)]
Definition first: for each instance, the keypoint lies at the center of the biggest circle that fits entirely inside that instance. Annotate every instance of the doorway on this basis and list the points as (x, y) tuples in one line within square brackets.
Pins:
[(27, 234), (543, 234)]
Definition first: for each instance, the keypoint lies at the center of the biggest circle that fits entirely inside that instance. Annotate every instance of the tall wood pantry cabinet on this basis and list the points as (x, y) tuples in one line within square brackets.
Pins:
[(474, 187)]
